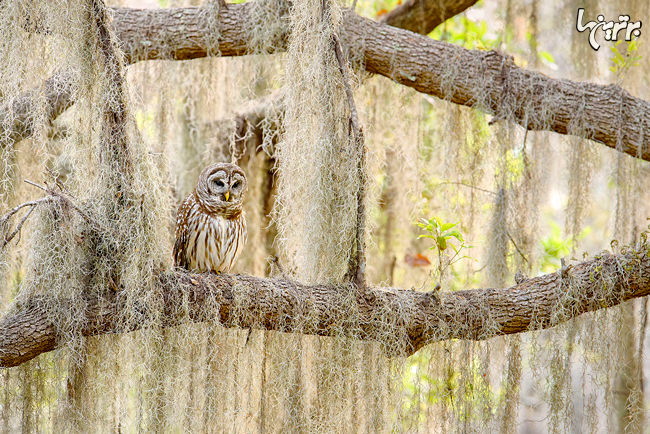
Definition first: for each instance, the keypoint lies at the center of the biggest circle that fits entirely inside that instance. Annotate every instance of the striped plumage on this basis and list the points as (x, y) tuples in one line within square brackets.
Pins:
[(210, 225)]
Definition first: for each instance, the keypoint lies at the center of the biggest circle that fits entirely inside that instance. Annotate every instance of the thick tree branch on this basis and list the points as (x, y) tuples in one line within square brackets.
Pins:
[(492, 82), (402, 320), (422, 16), (485, 80)]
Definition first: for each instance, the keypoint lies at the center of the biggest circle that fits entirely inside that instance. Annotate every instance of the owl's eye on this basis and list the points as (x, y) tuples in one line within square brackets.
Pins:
[(219, 183), (236, 184)]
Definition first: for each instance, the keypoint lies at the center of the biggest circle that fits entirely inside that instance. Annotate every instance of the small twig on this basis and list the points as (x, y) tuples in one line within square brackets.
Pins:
[(520, 277), (31, 204), (338, 51), (14, 210), (71, 204), (435, 293), (466, 185), (36, 185), (564, 269), (517, 248)]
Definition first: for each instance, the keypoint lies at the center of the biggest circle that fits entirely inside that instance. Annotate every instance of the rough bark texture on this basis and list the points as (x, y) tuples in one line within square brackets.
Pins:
[(485, 80), (422, 16), (403, 320)]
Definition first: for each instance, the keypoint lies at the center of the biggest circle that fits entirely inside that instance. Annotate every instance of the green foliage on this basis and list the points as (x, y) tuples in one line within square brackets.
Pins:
[(547, 59), (467, 33), (146, 122), (624, 59), (444, 235), (514, 166), (464, 392), (441, 233), (556, 247)]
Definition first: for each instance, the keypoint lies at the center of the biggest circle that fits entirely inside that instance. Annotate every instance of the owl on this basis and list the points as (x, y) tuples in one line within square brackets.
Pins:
[(210, 225)]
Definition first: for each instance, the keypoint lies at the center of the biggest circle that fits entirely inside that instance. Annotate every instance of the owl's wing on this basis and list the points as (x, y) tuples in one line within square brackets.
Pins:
[(182, 235), (179, 249)]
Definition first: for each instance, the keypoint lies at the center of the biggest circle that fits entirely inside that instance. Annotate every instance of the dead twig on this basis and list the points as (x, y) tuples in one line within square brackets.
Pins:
[(466, 185), (70, 202), (517, 248), (276, 263), (5, 219)]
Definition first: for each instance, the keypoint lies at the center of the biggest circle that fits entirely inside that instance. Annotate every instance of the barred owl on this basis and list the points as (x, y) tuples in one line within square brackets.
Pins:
[(210, 225)]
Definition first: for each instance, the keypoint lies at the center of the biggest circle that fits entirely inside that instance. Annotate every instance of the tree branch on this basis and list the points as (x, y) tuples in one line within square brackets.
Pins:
[(402, 320), (422, 16), (485, 80), (17, 116), (255, 125), (488, 81)]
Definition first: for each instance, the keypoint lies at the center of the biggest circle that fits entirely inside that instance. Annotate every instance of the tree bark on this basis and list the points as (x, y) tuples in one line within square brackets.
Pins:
[(402, 320), (422, 16), (485, 80)]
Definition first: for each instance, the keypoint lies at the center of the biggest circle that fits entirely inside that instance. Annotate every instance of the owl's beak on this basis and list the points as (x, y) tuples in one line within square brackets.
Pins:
[(227, 195)]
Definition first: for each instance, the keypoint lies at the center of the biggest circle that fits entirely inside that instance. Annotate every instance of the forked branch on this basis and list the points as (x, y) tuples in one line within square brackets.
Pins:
[(6, 231)]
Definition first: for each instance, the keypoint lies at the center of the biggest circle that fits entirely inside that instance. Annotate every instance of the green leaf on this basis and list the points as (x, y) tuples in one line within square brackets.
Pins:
[(545, 55), (442, 243), (454, 234), (448, 226)]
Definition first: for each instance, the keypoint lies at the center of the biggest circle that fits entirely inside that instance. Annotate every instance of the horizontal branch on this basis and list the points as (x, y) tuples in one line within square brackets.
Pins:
[(422, 16), (402, 320), (485, 80)]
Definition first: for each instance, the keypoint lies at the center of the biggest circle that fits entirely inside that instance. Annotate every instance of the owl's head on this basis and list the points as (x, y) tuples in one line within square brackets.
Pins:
[(221, 188)]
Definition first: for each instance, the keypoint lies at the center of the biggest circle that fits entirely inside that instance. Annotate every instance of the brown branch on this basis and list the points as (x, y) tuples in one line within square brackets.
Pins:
[(422, 16), (472, 78), (70, 202), (402, 320), (114, 141), (17, 116), (467, 77), (357, 269), (251, 127)]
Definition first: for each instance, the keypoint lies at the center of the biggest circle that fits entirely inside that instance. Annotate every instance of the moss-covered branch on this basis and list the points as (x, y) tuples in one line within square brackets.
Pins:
[(486, 80), (403, 320)]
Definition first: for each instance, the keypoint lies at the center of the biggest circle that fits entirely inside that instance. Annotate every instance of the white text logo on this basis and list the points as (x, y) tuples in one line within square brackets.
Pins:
[(611, 29)]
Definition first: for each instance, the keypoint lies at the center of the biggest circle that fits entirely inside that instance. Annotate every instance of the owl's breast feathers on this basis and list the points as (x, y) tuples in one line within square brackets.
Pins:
[(207, 241)]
